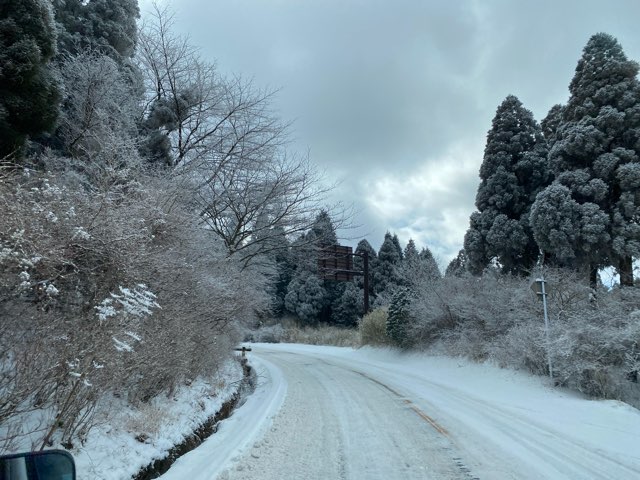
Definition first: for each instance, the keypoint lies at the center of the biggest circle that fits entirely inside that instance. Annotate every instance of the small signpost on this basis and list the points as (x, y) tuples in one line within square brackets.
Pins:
[(541, 288), (335, 262)]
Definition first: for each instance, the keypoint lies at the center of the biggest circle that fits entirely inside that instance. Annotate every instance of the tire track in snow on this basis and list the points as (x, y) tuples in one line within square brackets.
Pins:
[(548, 444), (335, 423), (411, 405)]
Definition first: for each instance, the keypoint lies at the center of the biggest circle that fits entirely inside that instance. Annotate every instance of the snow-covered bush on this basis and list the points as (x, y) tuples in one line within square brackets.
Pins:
[(106, 290), (373, 328), (468, 311), (597, 350), (322, 335), (594, 345)]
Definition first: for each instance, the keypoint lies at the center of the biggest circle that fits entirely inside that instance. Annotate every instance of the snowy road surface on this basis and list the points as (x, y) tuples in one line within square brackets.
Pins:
[(337, 413)]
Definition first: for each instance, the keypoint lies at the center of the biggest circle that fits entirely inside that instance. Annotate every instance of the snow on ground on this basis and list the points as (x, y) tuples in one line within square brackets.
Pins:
[(487, 422), (112, 451), (236, 433)]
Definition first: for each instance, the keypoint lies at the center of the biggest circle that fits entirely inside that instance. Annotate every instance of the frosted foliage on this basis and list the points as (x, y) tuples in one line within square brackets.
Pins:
[(305, 297), (551, 123), (457, 267), (568, 228), (348, 307), (30, 94), (595, 156), (513, 171), (629, 177), (138, 302), (77, 354), (99, 107), (108, 26)]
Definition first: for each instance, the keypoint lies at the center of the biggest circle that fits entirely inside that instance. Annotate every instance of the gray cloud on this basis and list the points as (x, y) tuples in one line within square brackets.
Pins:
[(394, 98)]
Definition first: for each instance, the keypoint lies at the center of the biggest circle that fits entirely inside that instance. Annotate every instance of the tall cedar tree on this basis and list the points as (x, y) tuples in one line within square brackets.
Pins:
[(387, 272), (28, 93), (308, 296), (589, 217), (399, 319), (513, 171), (458, 266)]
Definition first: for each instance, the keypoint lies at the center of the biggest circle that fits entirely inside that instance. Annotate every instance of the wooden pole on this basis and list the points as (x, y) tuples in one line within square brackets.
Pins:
[(366, 282)]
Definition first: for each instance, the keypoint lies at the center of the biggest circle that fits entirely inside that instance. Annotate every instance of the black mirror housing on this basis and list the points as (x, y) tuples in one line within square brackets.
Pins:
[(44, 465)]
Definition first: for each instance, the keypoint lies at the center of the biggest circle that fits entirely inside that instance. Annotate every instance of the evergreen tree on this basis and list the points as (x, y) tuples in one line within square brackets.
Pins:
[(396, 243), (458, 266), (429, 264), (595, 158), (399, 320), (551, 123), (410, 254), (418, 267), (389, 252), (306, 297), (323, 233), (513, 171), (387, 272), (108, 26), (313, 298), (348, 307), (28, 94)]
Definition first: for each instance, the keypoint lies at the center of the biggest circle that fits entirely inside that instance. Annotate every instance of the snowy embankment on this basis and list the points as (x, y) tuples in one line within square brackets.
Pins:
[(127, 439), (496, 423)]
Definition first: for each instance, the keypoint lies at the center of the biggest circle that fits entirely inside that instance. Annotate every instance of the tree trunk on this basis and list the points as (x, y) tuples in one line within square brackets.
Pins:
[(593, 277), (625, 269)]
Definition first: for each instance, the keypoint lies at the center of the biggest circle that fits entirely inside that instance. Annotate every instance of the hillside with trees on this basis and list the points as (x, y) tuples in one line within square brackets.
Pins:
[(152, 212), (147, 205)]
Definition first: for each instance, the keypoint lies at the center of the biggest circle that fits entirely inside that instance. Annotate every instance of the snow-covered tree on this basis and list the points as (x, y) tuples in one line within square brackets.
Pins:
[(306, 297), (429, 265), (399, 319), (551, 123), (348, 307), (457, 267), (28, 93), (595, 158), (410, 254), (98, 109), (396, 243), (105, 26), (387, 275), (513, 171), (418, 268)]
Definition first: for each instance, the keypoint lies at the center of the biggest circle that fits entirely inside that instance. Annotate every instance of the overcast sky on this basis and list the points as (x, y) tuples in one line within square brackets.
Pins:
[(394, 98)]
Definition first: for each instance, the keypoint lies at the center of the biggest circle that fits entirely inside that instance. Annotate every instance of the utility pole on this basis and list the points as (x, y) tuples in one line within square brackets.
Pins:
[(365, 258)]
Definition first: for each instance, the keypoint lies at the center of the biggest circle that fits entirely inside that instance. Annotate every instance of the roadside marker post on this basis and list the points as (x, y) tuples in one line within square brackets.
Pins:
[(540, 289)]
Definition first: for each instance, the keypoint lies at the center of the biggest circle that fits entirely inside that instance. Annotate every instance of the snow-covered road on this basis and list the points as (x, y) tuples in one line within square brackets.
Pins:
[(333, 413)]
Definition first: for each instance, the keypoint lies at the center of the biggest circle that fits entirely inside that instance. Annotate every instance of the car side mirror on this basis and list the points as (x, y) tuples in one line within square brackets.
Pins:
[(45, 465)]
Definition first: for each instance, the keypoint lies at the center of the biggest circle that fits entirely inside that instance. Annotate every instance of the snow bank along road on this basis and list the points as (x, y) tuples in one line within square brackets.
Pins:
[(337, 413)]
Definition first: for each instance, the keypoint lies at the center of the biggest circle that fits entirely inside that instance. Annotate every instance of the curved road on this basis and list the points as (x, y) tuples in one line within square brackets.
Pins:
[(330, 413), (336, 423)]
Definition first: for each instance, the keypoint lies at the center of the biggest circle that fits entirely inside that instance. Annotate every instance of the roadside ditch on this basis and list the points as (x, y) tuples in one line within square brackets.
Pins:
[(205, 430)]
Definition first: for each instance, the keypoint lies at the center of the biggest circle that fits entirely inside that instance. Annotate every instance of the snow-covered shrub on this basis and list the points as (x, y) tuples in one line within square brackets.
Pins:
[(523, 347), (469, 311), (322, 335), (83, 272), (596, 350), (373, 328), (265, 334)]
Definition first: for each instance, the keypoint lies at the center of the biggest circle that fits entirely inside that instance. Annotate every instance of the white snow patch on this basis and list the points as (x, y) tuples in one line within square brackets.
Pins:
[(112, 452)]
